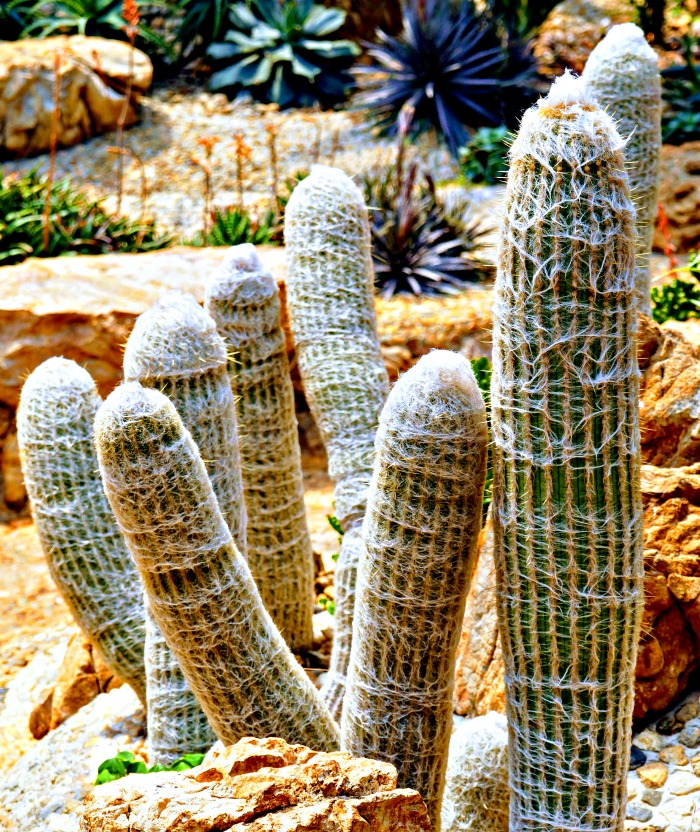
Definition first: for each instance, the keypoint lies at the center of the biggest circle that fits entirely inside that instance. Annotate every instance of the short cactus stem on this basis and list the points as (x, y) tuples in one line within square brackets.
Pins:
[(330, 295), (200, 589), (242, 298), (420, 537), (622, 74), (175, 348), (176, 722), (476, 788), (84, 548), (567, 506)]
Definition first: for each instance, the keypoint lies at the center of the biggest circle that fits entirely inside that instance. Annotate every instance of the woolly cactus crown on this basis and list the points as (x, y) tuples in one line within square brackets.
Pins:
[(182, 339)]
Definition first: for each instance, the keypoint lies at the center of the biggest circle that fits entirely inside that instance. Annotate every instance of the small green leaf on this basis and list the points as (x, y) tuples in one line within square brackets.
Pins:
[(335, 524)]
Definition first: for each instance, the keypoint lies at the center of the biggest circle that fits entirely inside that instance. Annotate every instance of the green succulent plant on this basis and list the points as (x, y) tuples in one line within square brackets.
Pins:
[(484, 159), (234, 226), (278, 52), (676, 301)]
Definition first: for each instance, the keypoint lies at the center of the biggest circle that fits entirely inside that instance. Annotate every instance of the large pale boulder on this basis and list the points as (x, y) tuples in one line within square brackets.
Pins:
[(93, 76), (44, 790), (265, 784), (670, 640)]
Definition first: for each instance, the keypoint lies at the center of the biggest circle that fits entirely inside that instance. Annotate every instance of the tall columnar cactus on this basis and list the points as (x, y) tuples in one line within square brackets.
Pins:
[(420, 535), (330, 286), (243, 300), (567, 510), (476, 788), (200, 589), (177, 724), (622, 74), (174, 347), (85, 550)]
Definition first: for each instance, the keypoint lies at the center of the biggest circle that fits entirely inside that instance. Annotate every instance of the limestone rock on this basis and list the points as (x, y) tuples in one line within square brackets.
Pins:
[(45, 788), (669, 407), (82, 676), (572, 29), (92, 73), (479, 686), (266, 784), (679, 193)]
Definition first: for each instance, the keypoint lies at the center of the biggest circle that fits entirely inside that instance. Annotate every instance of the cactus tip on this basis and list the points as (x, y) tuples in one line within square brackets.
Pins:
[(566, 91)]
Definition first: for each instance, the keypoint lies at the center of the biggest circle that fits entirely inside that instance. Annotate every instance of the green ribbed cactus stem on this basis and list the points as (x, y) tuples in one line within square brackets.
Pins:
[(86, 553), (476, 788), (174, 348), (330, 288), (176, 723), (200, 589), (567, 506), (622, 74), (242, 298), (420, 537)]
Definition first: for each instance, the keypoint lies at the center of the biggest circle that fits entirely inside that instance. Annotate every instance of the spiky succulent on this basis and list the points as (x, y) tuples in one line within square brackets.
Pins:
[(416, 246), (278, 52), (449, 64)]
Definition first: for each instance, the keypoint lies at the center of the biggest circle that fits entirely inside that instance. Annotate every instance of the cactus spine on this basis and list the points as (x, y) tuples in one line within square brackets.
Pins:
[(330, 285), (243, 300), (622, 74), (85, 550), (200, 589), (567, 509), (174, 347), (420, 535), (176, 723), (476, 788)]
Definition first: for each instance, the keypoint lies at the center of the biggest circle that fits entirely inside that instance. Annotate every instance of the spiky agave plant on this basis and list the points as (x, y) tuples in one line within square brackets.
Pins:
[(417, 247), (279, 51), (449, 63)]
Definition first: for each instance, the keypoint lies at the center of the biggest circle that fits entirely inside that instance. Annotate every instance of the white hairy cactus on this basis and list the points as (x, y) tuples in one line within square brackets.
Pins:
[(200, 589), (476, 789), (242, 299), (622, 74), (330, 288), (177, 724), (174, 347), (84, 548), (420, 537)]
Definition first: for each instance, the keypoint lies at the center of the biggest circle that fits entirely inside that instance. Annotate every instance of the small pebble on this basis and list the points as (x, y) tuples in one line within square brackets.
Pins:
[(695, 763), (674, 811), (688, 711), (653, 775), (683, 782), (690, 737), (667, 725), (635, 811), (637, 758), (632, 787), (648, 741), (652, 796), (674, 754)]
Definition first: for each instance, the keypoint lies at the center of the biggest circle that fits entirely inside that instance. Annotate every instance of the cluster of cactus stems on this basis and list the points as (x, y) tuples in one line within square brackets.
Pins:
[(84, 548), (420, 534), (330, 294), (566, 506), (200, 589), (242, 298), (566, 498), (622, 74)]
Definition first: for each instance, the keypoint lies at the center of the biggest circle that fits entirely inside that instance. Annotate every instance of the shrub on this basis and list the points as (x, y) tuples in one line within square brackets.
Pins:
[(78, 224), (451, 65), (484, 159), (677, 300), (681, 92), (126, 763), (233, 226), (279, 52)]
